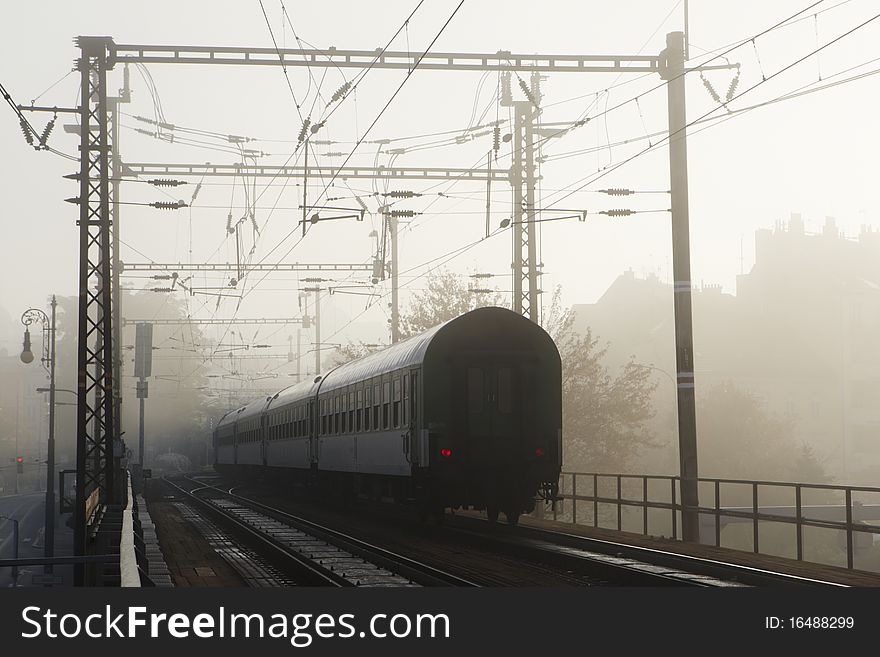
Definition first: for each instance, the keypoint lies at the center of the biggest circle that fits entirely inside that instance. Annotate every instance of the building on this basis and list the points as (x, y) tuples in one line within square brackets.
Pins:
[(801, 332)]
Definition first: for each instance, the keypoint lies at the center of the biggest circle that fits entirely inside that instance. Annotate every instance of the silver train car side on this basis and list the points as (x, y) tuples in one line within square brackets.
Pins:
[(467, 414)]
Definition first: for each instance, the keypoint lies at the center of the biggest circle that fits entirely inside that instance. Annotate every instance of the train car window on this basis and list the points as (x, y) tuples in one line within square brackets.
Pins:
[(336, 407), (360, 410), (323, 418), (377, 402), (351, 411), (368, 404), (405, 399), (475, 389), (386, 404), (346, 425), (395, 407), (415, 397)]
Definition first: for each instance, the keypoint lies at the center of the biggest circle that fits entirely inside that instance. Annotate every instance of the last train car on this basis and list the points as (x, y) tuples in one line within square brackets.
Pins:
[(467, 414)]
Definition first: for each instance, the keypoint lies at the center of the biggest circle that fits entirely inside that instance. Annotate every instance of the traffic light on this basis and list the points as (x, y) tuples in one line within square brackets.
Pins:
[(19, 464)]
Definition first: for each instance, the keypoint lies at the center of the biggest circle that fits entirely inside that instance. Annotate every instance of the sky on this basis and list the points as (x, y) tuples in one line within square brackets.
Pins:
[(814, 155)]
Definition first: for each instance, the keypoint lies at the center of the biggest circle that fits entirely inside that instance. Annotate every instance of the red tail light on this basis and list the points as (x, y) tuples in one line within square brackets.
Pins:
[(539, 452), (446, 452)]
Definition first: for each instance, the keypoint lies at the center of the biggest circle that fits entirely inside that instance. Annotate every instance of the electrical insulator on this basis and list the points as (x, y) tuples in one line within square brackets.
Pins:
[(506, 95), (617, 191), (161, 289), (402, 213), (145, 132), (317, 127), (401, 194), (303, 130), (47, 131), (710, 88), (496, 138), (731, 90), (168, 205), (527, 92), (334, 154), (165, 182), (340, 93), (26, 131), (618, 213), (229, 228), (195, 193)]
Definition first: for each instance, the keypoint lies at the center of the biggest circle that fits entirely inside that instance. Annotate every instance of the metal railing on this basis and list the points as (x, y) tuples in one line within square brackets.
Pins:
[(651, 505)]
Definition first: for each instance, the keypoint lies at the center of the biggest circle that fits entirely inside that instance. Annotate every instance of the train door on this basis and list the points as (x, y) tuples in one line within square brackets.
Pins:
[(493, 404)]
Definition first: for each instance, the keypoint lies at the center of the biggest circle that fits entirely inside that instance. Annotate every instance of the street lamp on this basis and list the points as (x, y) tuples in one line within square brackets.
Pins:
[(33, 316)]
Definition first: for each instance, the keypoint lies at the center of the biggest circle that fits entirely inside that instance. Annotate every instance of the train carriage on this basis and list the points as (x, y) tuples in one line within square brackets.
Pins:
[(465, 415)]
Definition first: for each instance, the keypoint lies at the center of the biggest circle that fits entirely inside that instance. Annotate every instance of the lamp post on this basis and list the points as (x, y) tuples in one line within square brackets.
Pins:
[(14, 546), (33, 316)]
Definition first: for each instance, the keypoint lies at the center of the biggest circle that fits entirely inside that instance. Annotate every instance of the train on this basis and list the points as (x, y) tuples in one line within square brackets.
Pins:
[(466, 415)]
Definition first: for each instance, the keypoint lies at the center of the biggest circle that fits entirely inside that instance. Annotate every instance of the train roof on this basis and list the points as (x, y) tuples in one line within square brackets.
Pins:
[(412, 352), (492, 323), (291, 394), (408, 353)]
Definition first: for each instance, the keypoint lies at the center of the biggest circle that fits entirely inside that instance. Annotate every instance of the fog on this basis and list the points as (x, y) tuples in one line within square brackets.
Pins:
[(786, 302)]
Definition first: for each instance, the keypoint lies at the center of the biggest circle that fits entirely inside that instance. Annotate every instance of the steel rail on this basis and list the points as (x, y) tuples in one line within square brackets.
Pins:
[(416, 570), (317, 574), (723, 570)]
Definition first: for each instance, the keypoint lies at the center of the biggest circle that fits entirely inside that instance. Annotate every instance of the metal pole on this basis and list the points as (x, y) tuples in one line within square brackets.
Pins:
[(49, 537), (141, 431), (14, 547), (15, 550), (673, 72), (516, 178), (298, 352), (305, 186), (116, 166), (522, 178), (317, 331), (395, 300)]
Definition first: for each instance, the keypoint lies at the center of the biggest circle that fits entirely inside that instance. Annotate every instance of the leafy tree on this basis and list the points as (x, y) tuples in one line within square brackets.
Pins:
[(740, 438), (605, 415), (447, 295)]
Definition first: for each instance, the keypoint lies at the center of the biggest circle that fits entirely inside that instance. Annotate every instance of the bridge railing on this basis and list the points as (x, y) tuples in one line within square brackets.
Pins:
[(823, 523)]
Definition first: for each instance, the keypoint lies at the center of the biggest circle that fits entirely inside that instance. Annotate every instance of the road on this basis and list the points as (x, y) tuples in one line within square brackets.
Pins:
[(29, 510)]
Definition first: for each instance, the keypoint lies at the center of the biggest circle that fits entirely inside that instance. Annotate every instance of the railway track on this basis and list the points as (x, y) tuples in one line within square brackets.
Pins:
[(635, 563), (317, 554), (576, 560)]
